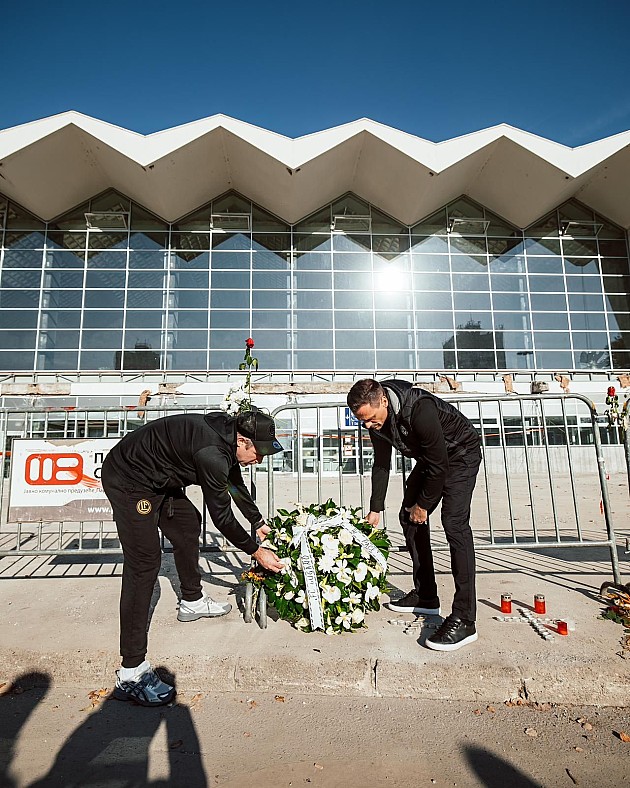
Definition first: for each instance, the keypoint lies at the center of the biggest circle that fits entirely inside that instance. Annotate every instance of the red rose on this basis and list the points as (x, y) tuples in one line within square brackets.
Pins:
[(249, 343), (611, 391)]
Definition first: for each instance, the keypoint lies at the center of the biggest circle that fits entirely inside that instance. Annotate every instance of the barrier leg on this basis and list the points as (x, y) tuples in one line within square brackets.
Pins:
[(262, 608), (249, 598)]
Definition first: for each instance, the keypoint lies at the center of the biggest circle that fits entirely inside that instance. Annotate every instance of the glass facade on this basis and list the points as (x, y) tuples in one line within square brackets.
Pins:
[(110, 286)]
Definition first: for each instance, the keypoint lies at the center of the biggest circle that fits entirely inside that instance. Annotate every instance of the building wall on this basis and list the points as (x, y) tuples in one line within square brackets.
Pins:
[(110, 286)]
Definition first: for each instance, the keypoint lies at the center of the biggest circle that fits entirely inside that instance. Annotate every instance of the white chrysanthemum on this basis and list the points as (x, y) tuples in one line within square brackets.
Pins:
[(357, 615), (326, 563), (331, 594), (330, 544), (345, 619), (345, 537), (353, 598), (360, 573)]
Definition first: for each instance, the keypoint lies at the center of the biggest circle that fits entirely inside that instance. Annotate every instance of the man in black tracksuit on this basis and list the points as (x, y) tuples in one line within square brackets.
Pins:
[(145, 476), (446, 448)]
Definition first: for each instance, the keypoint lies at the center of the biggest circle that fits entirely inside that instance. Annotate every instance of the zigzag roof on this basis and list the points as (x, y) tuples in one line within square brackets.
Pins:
[(53, 164)]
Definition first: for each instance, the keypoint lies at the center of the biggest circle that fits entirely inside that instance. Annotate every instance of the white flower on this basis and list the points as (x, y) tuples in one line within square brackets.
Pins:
[(331, 594), (345, 537), (326, 563), (314, 538), (302, 623), (289, 595), (301, 519), (371, 592), (301, 598), (340, 565), (344, 618), (365, 553), (344, 577), (357, 615), (360, 572), (330, 631), (330, 544), (268, 544), (286, 562), (298, 563), (353, 598), (375, 570)]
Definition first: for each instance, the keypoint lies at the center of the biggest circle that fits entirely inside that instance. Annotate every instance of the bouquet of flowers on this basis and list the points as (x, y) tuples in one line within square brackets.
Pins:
[(335, 567)]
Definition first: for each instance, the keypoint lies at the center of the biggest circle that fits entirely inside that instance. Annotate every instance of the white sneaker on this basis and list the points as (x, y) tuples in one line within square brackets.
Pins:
[(205, 607)]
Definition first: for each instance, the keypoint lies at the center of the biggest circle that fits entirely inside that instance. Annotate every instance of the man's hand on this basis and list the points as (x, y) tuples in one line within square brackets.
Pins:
[(268, 559), (262, 530), (417, 515), (374, 518)]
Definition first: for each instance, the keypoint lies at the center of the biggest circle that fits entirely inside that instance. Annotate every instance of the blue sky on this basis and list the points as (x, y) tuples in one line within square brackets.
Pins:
[(557, 68)]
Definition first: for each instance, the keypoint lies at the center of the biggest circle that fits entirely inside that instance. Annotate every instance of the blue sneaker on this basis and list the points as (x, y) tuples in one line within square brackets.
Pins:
[(147, 690)]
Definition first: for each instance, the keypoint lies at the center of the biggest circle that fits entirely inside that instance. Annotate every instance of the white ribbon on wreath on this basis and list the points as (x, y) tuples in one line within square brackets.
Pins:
[(300, 536)]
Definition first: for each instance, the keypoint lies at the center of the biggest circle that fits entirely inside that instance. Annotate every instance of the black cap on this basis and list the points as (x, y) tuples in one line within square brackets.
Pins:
[(260, 429)]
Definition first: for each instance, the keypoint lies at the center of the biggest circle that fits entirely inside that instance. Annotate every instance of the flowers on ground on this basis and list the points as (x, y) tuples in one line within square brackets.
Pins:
[(349, 578)]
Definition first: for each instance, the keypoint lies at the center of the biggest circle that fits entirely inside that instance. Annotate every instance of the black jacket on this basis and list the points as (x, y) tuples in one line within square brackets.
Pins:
[(425, 427), (189, 448)]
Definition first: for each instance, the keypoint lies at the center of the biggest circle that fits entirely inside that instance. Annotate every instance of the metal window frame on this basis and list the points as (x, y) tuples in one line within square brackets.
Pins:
[(566, 226), (217, 218), (341, 219), (453, 221), (91, 217)]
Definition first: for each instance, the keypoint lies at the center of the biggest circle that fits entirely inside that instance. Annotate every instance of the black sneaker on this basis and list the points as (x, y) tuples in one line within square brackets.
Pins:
[(411, 603), (452, 634)]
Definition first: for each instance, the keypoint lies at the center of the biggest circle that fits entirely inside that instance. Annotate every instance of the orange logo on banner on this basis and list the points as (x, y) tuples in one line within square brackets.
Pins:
[(53, 469)]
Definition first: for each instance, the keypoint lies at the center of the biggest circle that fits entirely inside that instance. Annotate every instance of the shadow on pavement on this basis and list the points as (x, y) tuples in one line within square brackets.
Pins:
[(494, 771), (14, 713), (111, 747)]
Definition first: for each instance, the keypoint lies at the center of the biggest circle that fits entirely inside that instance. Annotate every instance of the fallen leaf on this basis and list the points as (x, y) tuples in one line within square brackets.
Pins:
[(96, 697), (477, 712), (2, 686), (491, 709), (279, 698), (624, 736), (531, 732), (175, 744), (196, 698)]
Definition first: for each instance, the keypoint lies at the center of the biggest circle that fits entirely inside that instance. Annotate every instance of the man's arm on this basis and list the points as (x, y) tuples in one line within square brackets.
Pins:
[(380, 477), (427, 430), (241, 495)]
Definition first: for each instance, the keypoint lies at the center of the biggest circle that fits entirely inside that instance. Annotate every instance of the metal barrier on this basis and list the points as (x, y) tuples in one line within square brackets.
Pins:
[(542, 454), (83, 537)]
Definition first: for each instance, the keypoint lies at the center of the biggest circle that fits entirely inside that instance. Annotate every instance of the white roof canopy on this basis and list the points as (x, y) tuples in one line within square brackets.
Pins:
[(51, 165)]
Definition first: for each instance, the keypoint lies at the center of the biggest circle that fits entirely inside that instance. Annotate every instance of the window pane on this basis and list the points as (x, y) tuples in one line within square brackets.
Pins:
[(104, 319), (269, 280), (188, 340), (157, 259), (588, 322), (272, 318), (229, 319), (147, 279), (103, 260), (463, 283), (510, 301), (13, 361), (516, 320), (585, 284), (354, 339), (313, 299), (544, 265), (150, 299), (57, 360), (59, 319), (393, 320), (389, 359), (59, 340), (17, 299), (394, 340), (546, 284), (555, 302), (70, 299), (431, 281), (429, 301), (21, 279), (143, 319), (352, 281), (314, 319), (548, 320), (552, 340), (349, 300), (584, 303), (191, 260), (352, 262), (231, 260), (18, 318), (270, 299), (184, 319), (313, 359), (17, 340), (473, 321), (101, 339), (143, 340), (109, 279), (434, 340), (351, 319), (311, 280), (313, 339), (197, 299), (430, 263), (469, 263), (435, 320), (22, 258), (355, 359), (471, 301), (554, 359)]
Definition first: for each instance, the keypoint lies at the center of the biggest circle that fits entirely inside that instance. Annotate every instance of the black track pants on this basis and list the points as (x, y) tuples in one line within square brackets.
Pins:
[(456, 499), (138, 515)]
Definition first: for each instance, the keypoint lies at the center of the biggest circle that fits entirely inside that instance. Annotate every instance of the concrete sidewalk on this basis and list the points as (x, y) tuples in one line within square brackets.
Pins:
[(60, 616)]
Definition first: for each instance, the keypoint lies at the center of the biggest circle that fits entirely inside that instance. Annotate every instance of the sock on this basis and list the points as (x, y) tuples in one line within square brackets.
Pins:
[(196, 605), (131, 674)]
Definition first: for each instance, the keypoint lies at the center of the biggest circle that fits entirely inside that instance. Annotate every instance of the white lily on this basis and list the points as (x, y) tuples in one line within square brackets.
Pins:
[(360, 573), (353, 598), (340, 565), (301, 519), (371, 592), (357, 615), (314, 539), (268, 544), (345, 537), (345, 619), (330, 544), (289, 595), (375, 570), (344, 577), (301, 598), (303, 623), (331, 594)]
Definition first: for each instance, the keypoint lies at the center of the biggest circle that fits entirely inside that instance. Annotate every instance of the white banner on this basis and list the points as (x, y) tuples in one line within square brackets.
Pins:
[(58, 480)]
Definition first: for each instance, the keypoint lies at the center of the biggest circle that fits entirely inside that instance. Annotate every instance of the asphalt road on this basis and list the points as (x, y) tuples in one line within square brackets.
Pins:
[(78, 737)]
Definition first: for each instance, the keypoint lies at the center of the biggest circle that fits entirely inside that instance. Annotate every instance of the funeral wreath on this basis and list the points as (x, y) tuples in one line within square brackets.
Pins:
[(335, 566)]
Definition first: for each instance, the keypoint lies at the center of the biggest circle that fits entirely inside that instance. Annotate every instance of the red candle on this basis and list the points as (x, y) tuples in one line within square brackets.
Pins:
[(506, 603), (563, 628), (539, 604)]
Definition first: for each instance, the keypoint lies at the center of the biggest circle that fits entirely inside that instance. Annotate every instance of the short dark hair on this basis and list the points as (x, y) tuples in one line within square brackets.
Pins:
[(364, 392)]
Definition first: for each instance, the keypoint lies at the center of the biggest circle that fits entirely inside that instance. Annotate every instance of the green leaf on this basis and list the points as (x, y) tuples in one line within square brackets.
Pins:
[(241, 366)]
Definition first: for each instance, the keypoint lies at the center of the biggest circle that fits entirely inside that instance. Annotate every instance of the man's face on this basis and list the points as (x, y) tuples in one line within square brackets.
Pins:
[(246, 453), (373, 416)]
